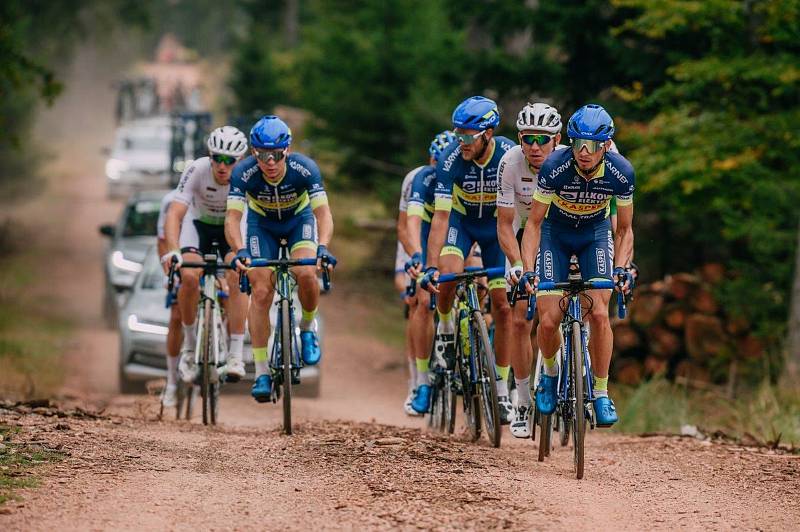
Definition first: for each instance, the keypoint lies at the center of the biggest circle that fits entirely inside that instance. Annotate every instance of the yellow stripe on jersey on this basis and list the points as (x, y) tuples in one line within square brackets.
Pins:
[(547, 199), (624, 202), (236, 204), (416, 209), (262, 206), (581, 209), (443, 204), (318, 200)]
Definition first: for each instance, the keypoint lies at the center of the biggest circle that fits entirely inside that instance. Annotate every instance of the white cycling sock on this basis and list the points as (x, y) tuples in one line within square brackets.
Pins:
[(172, 370), (523, 391), (189, 337), (236, 346), (446, 323), (262, 368), (502, 388), (412, 374)]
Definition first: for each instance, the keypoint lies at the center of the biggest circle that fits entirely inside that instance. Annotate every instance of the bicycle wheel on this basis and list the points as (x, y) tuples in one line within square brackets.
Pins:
[(579, 419), (205, 356), (435, 415), (487, 378), (563, 430), (471, 402), (450, 410), (545, 427), (286, 358)]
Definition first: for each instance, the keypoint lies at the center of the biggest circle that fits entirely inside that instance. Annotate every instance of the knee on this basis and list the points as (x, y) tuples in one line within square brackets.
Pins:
[(548, 325), (190, 279), (520, 324), (306, 275), (502, 313), (598, 318), (261, 295)]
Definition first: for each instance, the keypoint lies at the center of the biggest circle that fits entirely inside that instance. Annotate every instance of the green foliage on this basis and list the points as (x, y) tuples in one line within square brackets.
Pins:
[(719, 159)]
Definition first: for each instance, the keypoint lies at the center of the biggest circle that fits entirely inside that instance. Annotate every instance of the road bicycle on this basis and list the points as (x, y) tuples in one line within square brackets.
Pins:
[(211, 350), (472, 374), (575, 383), (285, 370)]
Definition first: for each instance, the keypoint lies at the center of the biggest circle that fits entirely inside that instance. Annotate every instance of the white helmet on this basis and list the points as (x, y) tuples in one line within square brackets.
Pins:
[(539, 116), (227, 140)]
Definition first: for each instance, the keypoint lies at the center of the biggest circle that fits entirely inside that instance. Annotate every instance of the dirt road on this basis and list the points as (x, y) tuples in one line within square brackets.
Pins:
[(356, 461)]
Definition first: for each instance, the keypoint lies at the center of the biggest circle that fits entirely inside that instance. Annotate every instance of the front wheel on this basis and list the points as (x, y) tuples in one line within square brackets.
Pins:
[(546, 428), (286, 360), (487, 378), (469, 395), (579, 419)]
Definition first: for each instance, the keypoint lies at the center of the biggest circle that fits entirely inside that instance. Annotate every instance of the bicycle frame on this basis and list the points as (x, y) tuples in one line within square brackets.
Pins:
[(574, 314)]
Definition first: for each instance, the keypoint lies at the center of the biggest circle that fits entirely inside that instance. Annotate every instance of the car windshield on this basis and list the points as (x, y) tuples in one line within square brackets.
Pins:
[(144, 139), (141, 218)]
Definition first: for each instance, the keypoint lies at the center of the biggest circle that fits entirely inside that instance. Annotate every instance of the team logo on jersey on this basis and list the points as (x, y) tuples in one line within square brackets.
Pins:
[(615, 171), (308, 231), (601, 260), (611, 245), (255, 249), (296, 166), (247, 174), (452, 235), (548, 264)]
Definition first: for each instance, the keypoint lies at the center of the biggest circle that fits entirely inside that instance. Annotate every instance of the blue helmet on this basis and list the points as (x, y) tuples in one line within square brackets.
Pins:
[(270, 133), (591, 122), (440, 143), (476, 112)]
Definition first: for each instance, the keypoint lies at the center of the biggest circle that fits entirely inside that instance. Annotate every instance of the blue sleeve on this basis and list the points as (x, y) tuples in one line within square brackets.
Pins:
[(238, 188)]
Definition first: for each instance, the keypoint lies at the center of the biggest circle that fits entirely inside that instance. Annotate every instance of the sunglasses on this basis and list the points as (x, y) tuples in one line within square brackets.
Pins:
[(532, 139), (466, 138), (265, 155), (591, 146), (223, 159)]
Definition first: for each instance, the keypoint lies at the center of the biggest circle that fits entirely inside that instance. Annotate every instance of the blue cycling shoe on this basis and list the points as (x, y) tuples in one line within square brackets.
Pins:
[(605, 411), (262, 388), (546, 398), (311, 351), (422, 401)]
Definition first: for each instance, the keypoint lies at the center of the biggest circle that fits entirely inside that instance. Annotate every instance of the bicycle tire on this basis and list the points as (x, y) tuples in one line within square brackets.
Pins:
[(563, 430), (470, 402), (545, 428), (579, 417), (286, 360), (205, 344), (487, 379), (451, 410), (435, 414)]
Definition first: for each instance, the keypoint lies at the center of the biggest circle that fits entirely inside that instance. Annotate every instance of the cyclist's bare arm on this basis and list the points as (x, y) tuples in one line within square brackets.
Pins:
[(172, 227), (403, 232), (439, 224), (233, 232), (533, 235), (505, 233), (623, 236), (324, 224)]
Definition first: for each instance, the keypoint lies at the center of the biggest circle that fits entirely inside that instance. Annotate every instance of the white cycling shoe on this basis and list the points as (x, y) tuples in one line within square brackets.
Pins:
[(186, 367), (407, 405), (521, 424), (169, 397), (234, 369)]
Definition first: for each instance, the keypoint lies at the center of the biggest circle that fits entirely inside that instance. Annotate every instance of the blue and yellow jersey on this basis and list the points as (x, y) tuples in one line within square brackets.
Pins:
[(467, 187), (576, 200), (421, 201), (299, 187)]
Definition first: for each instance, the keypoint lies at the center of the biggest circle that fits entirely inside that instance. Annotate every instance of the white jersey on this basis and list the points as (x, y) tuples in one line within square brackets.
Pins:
[(199, 189), (405, 188), (516, 184)]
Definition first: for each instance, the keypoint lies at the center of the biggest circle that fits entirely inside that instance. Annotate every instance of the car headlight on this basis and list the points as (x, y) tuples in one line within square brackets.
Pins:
[(143, 327), (118, 260), (115, 167)]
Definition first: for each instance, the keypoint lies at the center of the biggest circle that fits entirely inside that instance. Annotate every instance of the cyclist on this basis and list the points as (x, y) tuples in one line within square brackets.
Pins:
[(204, 187), (465, 211), (420, 212), (286, 199), (539, 134), (570, 215), (174, 332), (401, 279)]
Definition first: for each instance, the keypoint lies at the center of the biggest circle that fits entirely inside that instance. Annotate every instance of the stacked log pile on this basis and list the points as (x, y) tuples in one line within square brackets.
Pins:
[(677, 328)]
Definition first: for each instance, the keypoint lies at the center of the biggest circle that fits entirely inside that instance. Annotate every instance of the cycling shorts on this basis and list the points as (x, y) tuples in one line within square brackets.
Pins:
[(197, 237), (593, 244), (463, 232), (264, 236)]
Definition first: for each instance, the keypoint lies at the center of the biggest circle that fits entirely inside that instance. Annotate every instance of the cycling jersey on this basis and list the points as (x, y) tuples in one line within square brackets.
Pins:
[(299, 187), (422, 193), (198, 189), (405, 188), (575, 200), (467, 187), (517, 183), (400, 259)]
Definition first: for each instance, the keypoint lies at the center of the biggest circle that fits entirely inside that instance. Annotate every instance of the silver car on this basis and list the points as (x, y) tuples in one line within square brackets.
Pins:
[(143, 321), (130, 239), (141, 156)]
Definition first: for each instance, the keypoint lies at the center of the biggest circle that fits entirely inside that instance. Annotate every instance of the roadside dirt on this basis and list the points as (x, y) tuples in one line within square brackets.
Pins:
[(356, 461)]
